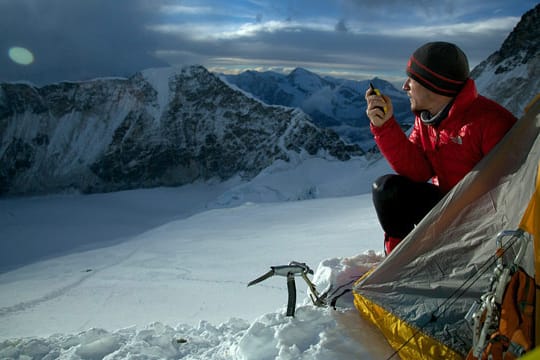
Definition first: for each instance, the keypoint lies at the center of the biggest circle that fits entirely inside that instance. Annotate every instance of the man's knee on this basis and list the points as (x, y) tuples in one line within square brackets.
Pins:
[(381, 183), (387, 187)]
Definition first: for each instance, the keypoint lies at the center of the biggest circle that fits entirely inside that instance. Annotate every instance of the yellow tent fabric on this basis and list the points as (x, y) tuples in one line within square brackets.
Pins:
[(395, 330), (531, 224), (532, 355), (419, 295)]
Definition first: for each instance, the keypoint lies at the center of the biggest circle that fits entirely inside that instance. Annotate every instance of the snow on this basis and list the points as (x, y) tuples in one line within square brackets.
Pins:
[(159, 79), (162, 273)]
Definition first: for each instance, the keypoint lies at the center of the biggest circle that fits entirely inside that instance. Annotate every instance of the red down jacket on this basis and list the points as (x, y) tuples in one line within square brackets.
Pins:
[(448, 152)]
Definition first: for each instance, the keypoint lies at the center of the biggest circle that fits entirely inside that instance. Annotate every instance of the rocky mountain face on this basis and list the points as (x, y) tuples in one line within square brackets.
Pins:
[(332, 103), (511, 75), (168, 127), (161, 127)]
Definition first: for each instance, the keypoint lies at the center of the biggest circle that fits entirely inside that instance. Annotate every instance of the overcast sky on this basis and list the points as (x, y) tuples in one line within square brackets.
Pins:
[(81, 39)]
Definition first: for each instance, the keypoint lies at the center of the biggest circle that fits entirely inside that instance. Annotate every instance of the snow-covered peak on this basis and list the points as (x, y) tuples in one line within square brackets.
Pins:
[(306, 80), (332, 103), (511, 75)]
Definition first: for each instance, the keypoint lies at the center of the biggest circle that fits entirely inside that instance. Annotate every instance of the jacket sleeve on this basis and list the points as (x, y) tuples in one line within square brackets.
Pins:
[(405, 155)]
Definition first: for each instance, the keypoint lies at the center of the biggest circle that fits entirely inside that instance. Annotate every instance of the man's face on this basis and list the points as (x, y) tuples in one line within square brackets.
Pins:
[(420, 97)]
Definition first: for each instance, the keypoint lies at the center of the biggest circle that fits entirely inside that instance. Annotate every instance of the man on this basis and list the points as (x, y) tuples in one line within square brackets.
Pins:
[(454, 129)]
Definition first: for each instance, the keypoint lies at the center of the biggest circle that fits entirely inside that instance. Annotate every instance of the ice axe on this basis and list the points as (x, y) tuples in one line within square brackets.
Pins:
[(290, 271)]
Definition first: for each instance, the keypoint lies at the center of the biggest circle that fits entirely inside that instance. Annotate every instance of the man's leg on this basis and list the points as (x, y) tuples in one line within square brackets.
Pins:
[(401, 203)]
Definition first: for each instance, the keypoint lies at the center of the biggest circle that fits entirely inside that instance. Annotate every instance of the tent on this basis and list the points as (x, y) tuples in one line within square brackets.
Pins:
[(420, 294)]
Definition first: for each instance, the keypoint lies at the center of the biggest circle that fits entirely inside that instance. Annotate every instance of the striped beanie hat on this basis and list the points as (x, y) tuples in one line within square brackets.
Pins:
[(440, 67)]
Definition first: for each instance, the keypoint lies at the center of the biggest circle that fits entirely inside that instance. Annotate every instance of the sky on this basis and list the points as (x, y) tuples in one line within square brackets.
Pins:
[(53, 40)]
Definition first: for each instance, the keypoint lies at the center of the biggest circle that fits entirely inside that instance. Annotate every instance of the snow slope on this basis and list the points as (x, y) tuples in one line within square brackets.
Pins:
[(162, 273)]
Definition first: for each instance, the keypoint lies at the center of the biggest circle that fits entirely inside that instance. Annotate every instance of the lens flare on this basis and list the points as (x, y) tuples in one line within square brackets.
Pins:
[(21, 55)]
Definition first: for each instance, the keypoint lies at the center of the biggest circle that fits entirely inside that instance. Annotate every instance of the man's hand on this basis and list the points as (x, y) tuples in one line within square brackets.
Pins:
[(375, 108)]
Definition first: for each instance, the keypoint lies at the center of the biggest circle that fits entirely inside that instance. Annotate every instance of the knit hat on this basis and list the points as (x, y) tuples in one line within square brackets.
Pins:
[(440, 67)]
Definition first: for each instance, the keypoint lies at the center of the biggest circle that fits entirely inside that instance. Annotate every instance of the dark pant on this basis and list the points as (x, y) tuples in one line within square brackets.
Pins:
[(401, 203)]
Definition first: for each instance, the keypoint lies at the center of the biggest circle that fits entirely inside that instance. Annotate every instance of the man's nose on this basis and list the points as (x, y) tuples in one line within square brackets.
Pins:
[(405, 85)]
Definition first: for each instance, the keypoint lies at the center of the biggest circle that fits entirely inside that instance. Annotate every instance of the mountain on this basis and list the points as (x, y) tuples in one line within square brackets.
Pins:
[(160, 127), (511, 75), (332, 103)]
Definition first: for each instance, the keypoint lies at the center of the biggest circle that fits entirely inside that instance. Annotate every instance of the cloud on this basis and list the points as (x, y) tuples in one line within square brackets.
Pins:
[(76, 40), (411, 9), (289, 45), (462, 29), (183, 9), (341, 26), (360, 36)]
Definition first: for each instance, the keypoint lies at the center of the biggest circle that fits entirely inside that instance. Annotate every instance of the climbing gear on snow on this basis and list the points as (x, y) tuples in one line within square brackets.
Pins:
[(290, 271)]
